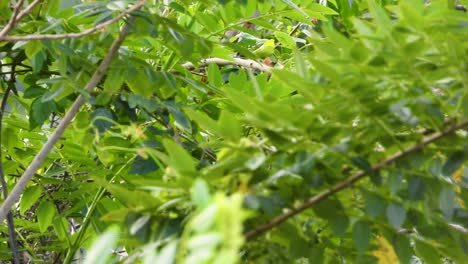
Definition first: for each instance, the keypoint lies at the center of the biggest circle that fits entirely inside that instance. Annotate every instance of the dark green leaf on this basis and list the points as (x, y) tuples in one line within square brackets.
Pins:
[(374, 205), (396, 215), (447, 202), (143, 166), (40, 112), (453, 163), (361, 235), (403, 248), (427, 252), (416, 188), (102, 119)]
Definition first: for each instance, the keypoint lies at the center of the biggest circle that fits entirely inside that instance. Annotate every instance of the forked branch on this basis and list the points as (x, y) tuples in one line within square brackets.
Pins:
[(56, 135), (86, 32)]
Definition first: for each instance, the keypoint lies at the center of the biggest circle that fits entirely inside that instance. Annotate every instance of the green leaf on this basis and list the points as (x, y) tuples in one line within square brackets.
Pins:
[(361, 235), (326, 69), (374, 205), (464, 105), (214, 75), (379, 14), (453, 163), (296, 7), (395, 181), (427, 252), (204, 121), (29, 197), (102, 119), (40, 112), (137, 82), (229, 126), (286, 40), (114, 79), (45, 214), (37, 61), (143, 166), (52, 94), (181, 119), (103, 98), (61, 227), (200, 194), (323, 9), (102, 247), (32, 48), (416, 188), (332, 210), (266, 49), (117, 5), (403, 248), (139, 224), (33, 92), (396, 215), (447, 202), (339, 224), (179, 158)]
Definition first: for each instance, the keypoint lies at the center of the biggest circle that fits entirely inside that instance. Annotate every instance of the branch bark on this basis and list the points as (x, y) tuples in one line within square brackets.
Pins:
[(13, 20), (350, 181), (56, 135), (73, 35), (251, 64)]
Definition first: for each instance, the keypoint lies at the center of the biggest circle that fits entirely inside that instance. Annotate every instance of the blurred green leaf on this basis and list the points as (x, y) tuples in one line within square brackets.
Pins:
[(361, 235), (396, 215), (102, 248)]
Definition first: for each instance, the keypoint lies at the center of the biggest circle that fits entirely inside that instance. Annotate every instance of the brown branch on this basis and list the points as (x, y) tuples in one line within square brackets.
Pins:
[(13, 20), (86, 32), (251, 64), (350, 181), (27, 10), (17, 16), (56, 135)]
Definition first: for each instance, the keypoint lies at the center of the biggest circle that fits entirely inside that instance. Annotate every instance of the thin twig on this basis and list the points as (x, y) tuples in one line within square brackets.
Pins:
[(56, 135), (74, 35), (295, 28), (17, 16), (13, 20), (251, 64), (27, 10), (350, 181)]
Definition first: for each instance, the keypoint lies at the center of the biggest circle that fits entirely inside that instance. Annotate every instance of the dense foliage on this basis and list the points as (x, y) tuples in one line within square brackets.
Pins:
[(275, 131)]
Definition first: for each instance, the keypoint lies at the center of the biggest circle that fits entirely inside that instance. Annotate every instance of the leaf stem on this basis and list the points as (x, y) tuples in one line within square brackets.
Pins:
[(87, 220)]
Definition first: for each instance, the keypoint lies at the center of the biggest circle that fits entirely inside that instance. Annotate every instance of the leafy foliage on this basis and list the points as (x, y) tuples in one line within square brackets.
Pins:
[(177, 160)]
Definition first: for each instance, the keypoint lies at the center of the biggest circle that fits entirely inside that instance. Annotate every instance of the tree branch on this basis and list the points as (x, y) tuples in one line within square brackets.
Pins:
[(56, 135), (13, 20), (27, 10), (350, 181), (86, 32), (251, 64)]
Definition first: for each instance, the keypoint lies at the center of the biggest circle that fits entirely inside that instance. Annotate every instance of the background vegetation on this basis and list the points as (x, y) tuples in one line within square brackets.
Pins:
[(234, 131)]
